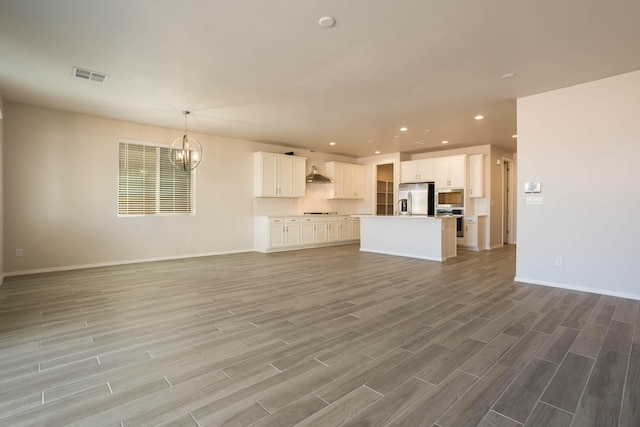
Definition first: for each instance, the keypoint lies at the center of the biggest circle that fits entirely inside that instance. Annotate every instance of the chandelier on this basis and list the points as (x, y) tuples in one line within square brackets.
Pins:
[(185, 151)]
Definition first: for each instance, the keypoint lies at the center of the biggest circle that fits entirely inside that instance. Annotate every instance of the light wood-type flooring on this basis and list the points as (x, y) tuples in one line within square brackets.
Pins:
[(319, 337)]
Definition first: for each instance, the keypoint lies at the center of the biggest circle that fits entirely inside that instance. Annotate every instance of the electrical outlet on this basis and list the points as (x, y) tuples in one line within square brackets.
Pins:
[(19, 252), (558, 261)]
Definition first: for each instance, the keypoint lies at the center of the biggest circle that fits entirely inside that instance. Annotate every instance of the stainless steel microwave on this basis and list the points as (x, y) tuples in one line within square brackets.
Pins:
[(450, 198)]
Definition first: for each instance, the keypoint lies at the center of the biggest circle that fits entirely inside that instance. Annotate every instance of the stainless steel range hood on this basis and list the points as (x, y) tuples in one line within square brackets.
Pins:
[(315, 177)]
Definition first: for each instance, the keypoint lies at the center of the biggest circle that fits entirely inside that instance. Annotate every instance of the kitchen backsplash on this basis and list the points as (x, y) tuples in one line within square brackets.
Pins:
[(315, 200)]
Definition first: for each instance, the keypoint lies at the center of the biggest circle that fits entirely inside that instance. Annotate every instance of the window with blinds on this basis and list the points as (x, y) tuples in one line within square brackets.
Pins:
[(148, 184)]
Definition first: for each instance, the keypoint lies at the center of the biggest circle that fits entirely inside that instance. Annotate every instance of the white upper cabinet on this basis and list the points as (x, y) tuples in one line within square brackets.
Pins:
[(418, 170), (358, 181), (348, 180), (278, 175), (476, 175), (450, 172)]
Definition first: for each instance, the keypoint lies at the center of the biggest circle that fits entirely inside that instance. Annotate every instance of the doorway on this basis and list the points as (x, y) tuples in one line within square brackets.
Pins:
[(508, 203), (385, 199)]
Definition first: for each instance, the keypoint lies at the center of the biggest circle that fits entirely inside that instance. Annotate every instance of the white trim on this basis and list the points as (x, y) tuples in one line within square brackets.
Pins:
[(578, 288), (310, 246), (148, 143), (115, 263), (496, 246), (2, 278)]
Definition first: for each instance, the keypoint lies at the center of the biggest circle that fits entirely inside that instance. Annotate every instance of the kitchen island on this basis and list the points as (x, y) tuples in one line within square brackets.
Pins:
[(425, 237)]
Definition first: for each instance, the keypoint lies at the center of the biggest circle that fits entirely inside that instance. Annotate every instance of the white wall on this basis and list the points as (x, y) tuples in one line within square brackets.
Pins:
[(1, 190), (60, 193), (582, 144)]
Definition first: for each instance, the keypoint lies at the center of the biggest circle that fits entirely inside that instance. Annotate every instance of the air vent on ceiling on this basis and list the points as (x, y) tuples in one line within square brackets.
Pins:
[(89, 75)]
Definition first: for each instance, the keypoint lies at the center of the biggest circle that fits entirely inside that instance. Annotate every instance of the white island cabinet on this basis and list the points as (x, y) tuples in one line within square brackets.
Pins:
[(424, 237)]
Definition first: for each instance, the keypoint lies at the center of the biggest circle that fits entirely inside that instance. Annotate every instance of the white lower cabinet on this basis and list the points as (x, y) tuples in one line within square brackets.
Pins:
[(276, 232), (291, 231), (322, 232), (471, 231), (355, 228), (281, 233), (345, 228), (307, 231), (333, 230), (474, 232)]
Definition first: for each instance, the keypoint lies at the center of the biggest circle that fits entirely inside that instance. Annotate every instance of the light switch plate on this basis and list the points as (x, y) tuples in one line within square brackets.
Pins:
[(535, 200)]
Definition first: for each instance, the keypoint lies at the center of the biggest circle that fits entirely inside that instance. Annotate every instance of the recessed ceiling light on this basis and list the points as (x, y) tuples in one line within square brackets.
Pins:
[(377, 152), (514, 136), (332, 143), (445, 142), (420, 142), (403, 129), (370, 142), (327, 21), (397, 136), (508, 76), (427, 130), (479, 117)]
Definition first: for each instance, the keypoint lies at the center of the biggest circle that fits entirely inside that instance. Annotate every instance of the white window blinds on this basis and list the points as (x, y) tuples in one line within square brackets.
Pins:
[(148, 184)]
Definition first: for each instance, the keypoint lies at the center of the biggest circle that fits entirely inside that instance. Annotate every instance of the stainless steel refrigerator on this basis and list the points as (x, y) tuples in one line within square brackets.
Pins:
[(420, 197)]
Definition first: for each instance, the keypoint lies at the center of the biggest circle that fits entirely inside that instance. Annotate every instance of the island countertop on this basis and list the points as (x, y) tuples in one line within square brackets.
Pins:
[(416, 236), (420, 217)]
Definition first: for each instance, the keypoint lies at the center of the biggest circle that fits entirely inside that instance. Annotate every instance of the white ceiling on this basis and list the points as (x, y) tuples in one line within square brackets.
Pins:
[(264, 70)]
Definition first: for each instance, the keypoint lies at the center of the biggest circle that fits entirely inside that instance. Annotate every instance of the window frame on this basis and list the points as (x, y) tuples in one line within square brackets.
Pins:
[(136, 200)]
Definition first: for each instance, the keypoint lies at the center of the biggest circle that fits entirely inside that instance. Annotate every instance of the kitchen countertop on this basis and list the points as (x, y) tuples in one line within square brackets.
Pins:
[(418, 217)]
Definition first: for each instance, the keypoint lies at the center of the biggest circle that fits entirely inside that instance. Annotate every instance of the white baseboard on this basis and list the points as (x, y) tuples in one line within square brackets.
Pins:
[(578, 288), (401, 254), (115, 263)]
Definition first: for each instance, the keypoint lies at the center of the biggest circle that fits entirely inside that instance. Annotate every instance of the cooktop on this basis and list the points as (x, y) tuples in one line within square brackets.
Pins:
[(321, 213)]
